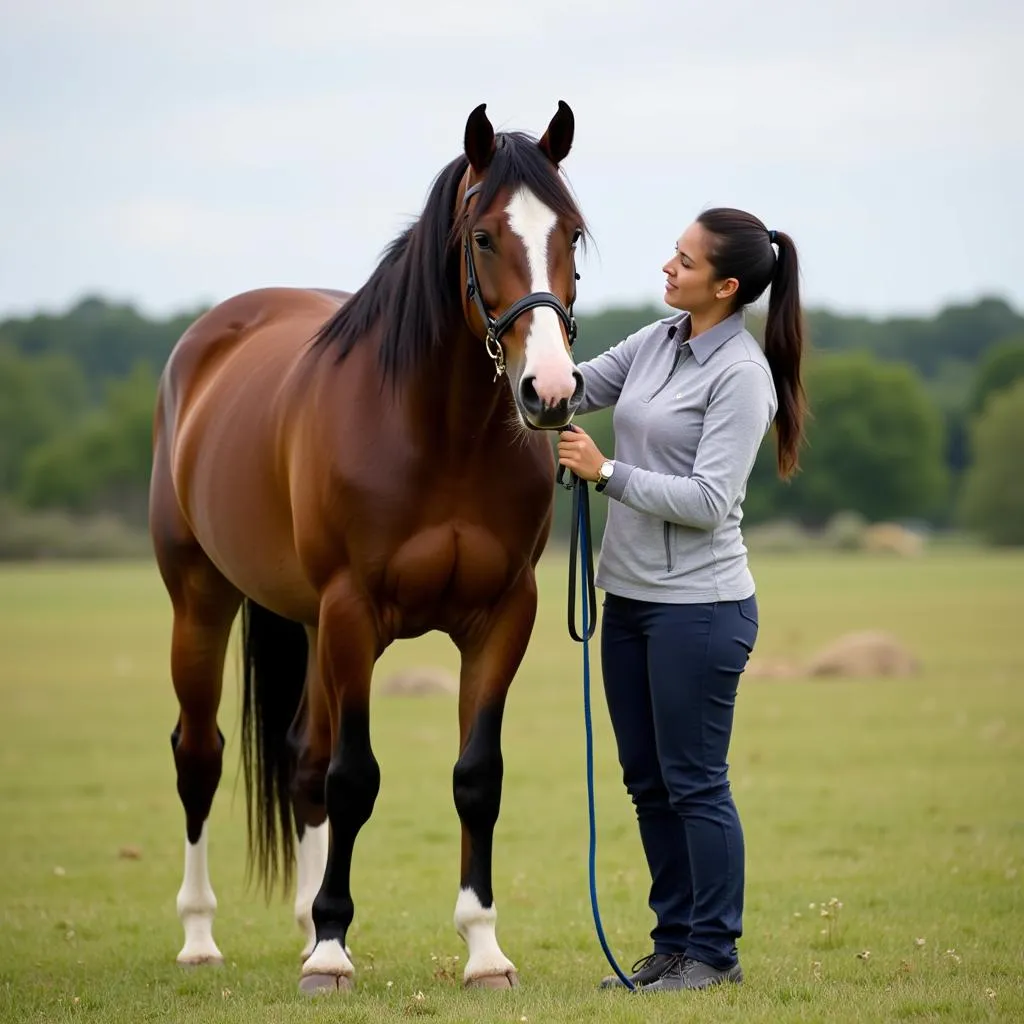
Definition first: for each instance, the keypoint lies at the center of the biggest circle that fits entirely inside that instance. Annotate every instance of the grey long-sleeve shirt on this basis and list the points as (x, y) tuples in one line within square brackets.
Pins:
[(689, 419)]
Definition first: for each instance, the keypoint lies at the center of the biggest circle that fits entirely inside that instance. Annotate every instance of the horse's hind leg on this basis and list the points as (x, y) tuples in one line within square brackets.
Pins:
[(202, 625), (311, 740), (205, 605), (311, 857)]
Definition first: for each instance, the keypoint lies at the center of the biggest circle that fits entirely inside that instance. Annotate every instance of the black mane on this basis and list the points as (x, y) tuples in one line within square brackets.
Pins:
[(413, 295)]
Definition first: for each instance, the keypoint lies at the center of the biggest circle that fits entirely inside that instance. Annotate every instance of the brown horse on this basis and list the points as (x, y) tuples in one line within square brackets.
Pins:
[(352, 470)]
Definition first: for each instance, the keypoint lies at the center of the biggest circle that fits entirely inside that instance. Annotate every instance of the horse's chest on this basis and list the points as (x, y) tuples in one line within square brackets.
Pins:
[(454, 565)]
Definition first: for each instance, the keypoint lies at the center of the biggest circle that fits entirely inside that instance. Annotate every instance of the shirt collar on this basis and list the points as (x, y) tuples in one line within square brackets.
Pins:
[(704, 345)]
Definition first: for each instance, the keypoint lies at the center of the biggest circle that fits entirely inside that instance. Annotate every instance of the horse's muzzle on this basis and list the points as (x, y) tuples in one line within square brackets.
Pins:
[(546, 415)]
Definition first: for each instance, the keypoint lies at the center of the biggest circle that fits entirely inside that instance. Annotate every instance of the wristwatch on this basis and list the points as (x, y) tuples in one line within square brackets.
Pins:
[(607, 468)]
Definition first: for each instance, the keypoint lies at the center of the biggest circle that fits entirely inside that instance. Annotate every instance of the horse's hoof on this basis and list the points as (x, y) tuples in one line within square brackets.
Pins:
[(315, 984), (510, 979), (203, 960)]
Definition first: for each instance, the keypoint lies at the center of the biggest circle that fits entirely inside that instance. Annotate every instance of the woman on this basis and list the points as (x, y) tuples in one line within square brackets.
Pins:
[(694, 396)]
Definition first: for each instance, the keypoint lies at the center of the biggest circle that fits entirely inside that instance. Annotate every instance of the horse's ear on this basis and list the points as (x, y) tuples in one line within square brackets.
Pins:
[(479, 141), (557, 140)]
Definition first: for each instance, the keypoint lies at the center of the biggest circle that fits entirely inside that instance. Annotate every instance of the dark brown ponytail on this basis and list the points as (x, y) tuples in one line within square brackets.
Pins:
[(742, 248), (784, 346)]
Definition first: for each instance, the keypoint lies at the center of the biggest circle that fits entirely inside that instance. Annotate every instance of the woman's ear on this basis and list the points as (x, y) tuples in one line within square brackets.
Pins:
[(727, 289)]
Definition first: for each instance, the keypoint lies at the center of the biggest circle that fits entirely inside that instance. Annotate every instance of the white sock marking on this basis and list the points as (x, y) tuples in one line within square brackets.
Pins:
[(196, 904), (546, 359), (329, 958), (311, 862), (476, 925)]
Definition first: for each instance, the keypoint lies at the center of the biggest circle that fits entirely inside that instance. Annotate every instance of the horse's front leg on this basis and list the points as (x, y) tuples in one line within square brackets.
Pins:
[(347, 647), (492, 649)]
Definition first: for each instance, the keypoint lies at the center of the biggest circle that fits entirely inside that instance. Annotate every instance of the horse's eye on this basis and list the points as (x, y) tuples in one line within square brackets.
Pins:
[(576, 236), (483, 240)]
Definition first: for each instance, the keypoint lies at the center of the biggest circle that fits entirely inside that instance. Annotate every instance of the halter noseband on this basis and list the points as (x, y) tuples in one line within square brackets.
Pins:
[(496, 328)]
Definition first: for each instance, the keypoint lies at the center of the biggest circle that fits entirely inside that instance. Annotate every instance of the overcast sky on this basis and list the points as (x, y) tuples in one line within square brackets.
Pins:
[(173, 152)]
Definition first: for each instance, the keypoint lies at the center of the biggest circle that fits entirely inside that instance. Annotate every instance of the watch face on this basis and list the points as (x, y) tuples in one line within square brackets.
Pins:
[(606, 469)]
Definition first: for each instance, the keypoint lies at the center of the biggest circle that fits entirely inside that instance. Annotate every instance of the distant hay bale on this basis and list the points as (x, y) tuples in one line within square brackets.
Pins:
[(892, 539), (845, 532), (869, 653), (780, 536), (421, 681)]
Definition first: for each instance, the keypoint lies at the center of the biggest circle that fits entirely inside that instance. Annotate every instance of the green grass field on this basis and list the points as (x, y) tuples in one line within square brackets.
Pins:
[(902, 799)]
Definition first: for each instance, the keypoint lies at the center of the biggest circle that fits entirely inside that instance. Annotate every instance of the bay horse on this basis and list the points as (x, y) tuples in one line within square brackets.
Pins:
[(349, 470)]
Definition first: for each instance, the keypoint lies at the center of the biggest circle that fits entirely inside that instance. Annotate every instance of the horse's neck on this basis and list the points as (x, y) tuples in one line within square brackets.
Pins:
[(457, 395)]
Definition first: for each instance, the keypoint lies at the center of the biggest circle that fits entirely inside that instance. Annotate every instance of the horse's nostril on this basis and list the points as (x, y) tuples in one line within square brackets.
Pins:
[(528, 393), (577, 394)]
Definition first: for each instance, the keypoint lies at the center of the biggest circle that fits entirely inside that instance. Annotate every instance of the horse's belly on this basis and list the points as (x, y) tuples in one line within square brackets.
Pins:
[(441, 570), (254, 549)]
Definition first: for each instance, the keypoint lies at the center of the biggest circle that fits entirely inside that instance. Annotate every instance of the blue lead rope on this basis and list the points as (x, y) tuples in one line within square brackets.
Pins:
[(581, 537)]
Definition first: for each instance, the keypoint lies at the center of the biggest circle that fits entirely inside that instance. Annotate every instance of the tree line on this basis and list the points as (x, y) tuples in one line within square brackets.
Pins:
[(911, 418)]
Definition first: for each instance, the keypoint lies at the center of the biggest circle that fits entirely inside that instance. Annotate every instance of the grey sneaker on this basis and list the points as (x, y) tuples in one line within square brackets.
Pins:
[(646, 970), (692, 974)]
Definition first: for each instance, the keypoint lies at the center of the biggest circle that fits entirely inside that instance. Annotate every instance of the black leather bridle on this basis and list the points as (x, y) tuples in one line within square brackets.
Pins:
[(496, 327)]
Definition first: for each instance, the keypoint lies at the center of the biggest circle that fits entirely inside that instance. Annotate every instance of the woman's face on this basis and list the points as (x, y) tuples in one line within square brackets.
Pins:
[(690, 281)]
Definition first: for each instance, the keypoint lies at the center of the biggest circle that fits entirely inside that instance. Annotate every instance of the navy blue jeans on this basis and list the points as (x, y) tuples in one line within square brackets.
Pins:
[(671, 672)]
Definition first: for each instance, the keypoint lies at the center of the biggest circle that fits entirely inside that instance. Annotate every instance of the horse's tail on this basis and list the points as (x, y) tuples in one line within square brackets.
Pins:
[(274, 653)]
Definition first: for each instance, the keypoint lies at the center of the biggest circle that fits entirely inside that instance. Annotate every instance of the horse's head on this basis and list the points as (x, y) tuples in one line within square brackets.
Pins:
[(520, 228)]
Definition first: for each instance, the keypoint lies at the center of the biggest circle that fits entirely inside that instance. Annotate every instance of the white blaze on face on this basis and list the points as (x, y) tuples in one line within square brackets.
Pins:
[(546, 359)]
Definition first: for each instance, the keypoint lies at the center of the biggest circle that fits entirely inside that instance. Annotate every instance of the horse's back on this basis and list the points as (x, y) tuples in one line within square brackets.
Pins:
[(290, 315)]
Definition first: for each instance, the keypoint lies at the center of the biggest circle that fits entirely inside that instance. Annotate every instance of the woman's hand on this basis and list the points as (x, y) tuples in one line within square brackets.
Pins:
[(577, 451)]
